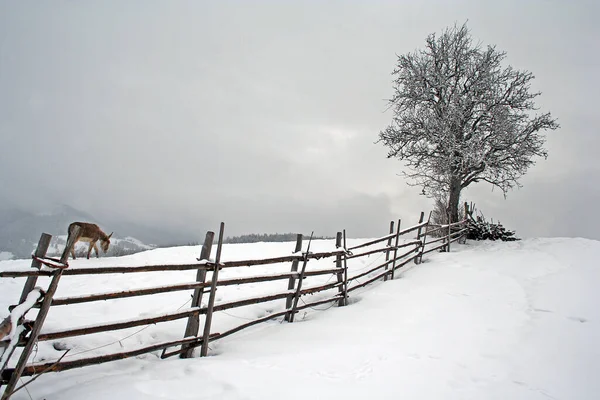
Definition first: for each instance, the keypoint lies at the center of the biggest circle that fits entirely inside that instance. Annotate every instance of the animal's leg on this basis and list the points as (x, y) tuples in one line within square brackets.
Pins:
[(90, 250), (96, 249)]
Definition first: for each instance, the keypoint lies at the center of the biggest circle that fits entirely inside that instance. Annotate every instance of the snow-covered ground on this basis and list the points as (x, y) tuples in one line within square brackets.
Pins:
[(516, 320)]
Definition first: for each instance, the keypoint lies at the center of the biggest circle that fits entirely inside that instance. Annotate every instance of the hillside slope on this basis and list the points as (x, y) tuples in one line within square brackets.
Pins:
[(488, 321)]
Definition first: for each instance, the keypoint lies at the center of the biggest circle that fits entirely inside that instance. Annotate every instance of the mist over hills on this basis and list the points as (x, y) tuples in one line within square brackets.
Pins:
[(20, 230)]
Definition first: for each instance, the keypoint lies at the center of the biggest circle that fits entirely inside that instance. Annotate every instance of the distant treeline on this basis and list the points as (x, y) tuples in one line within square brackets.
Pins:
[(272, 237)]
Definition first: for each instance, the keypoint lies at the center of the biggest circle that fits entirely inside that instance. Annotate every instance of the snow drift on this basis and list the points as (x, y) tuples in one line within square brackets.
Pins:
[(515, 320)]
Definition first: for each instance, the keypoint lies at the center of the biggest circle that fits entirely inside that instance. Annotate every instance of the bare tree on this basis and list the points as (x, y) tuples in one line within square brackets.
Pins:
[(461, 117)]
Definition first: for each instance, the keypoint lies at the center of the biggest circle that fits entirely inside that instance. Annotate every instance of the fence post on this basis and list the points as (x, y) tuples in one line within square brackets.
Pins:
[(345, 299), (396, 249), (193, 322), (449, 232), (292, 280), (387, 253), (339, 266), (213, 294), (463, 238), (421, 218), (40, 252), (300, 280), (41, 317)]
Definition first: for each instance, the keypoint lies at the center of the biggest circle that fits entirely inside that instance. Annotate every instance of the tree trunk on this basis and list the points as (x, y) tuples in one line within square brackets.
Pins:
[(454, 199)]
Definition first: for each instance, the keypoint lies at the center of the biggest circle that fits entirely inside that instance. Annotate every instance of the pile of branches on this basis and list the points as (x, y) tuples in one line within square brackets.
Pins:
[(480, 229)]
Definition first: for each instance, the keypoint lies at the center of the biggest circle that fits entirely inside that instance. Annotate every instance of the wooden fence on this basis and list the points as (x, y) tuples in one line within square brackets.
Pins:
[(29, 333)]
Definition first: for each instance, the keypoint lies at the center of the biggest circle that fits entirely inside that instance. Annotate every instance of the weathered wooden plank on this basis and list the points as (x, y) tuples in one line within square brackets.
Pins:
[(107, 270), (449, 232), (24, 273), (271, 297), (127, 293), (324, 254), (83, 362), (165, 268), (275, 277), (143, 268), (317, 303), (431, 231), (213, 294), (272, 316), (445, 226), (382, 265), (383, 249), (10, 345), (384, 238), (39, 321), (300, 280), (292, 279), (277, 260), (456, 239), (403, 263), (40, 251), (458, 233), (254, 300), (371, 280), (389, 244), (458, 223), (395, 250), (344, 300), (339, 264), (434, 248), (419, 259), (113, 326), (262, 261), (421, 217), (181, 286), (443, 238), (193, 323), (316, 289)]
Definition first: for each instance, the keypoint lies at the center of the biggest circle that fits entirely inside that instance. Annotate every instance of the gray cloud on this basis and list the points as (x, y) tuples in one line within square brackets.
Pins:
[(264, 114)]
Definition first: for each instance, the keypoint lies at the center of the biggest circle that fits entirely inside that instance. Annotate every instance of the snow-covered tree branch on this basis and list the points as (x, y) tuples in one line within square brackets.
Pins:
[(460, 117)]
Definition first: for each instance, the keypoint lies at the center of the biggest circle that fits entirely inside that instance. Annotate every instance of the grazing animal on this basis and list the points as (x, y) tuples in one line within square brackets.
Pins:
[(89, 233)]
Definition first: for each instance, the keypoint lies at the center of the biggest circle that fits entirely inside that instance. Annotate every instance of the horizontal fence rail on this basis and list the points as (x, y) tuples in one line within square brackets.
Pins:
[(207, 265), (382, 250), (180, 287), (82, 362), (378, 267), (107, 270), (390, 236)]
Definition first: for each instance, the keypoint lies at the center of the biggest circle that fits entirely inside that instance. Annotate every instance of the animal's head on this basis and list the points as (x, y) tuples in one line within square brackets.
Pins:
[(106, 242)]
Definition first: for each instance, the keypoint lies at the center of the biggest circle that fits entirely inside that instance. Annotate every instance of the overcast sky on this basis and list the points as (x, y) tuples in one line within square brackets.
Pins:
[(264, 114)]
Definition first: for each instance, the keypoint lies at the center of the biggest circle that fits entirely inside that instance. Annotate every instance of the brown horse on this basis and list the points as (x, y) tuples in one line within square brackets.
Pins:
[(90, 233)]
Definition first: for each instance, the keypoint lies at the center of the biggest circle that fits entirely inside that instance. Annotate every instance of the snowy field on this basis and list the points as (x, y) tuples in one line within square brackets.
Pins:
[(516, 320)]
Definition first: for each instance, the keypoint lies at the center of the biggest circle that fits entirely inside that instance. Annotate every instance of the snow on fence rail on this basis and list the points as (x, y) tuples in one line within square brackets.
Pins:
[(27, 335)]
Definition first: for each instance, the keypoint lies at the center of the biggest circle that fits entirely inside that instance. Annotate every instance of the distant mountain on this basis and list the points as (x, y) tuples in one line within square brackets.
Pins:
[(118, 247), (155, 236), (20, 231)]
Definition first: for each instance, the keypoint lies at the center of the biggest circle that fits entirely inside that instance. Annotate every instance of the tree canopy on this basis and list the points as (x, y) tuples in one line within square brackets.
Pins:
[(462, 117)]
